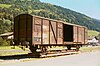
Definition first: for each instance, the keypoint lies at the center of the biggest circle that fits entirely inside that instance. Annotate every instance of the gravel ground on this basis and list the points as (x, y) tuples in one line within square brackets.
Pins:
[(82, 59)]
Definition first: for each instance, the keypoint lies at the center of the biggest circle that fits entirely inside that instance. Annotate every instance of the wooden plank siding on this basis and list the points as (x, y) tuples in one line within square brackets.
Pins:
[(43, 31)]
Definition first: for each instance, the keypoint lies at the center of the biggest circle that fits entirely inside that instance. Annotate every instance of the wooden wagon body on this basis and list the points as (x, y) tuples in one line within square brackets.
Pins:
[(35, 30)]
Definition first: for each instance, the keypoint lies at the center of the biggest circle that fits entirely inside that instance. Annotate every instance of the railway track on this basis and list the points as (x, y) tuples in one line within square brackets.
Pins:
[(54, 53), (50, 53), (58, 54), (30, 56)]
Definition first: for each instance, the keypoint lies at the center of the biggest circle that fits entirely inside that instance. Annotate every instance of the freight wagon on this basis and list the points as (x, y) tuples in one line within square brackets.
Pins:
[(39, 33)]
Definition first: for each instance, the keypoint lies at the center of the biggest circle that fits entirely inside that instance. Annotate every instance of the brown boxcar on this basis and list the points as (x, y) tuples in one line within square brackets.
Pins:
[(39, 31)]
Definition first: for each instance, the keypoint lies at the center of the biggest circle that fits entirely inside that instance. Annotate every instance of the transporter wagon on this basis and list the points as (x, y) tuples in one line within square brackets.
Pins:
[(40, 33)]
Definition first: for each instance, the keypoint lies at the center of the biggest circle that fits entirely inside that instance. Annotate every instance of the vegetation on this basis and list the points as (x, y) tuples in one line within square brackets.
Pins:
[(11, 8), (4, 42), (92, 33), (90, 49), (18, 51), (11, 53), (7, 50), (5, 5)]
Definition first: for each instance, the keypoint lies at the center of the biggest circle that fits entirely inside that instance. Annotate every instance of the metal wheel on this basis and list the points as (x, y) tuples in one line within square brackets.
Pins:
[(69, 47), (33, 49), (77, 48), (44, 50)]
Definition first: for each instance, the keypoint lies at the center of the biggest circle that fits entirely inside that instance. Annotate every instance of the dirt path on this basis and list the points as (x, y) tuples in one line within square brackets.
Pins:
[(83, 59)]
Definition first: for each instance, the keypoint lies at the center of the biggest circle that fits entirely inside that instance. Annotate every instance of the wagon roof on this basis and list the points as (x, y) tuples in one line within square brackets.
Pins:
[(59, 21), (54, 20)]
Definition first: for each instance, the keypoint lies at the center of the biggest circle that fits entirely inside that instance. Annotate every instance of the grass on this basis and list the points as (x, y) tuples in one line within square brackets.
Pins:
[(5, 5), (92, 33), (12, 53), (16, 51), (9, 48), (90, 49)]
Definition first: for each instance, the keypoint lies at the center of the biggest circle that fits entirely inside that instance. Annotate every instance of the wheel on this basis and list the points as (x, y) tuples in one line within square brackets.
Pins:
[(44, 50), (33, 49), (77, 48), (69, 47)]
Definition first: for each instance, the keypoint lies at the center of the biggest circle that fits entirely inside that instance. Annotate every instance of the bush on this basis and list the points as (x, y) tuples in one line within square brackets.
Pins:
[(4, 42)]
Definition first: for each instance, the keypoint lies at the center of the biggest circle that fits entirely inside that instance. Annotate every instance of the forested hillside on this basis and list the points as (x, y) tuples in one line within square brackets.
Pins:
[(11, 8)]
